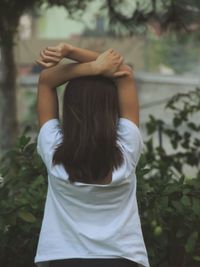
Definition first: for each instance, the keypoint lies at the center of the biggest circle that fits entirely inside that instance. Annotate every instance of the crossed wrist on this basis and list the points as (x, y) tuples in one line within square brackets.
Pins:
[(68, 50), (96, 68)]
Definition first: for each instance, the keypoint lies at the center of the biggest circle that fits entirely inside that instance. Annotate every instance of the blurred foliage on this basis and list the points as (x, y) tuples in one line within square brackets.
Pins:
[(178, 52), (124, 16), (22, 198), (168, 15), (169, 202)]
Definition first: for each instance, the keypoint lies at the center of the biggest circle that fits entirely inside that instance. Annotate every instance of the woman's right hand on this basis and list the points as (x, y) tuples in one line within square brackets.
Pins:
[(54, 54), (108, 64)]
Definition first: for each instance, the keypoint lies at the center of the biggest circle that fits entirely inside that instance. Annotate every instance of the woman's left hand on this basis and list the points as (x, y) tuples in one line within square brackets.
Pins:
[(108, 64)]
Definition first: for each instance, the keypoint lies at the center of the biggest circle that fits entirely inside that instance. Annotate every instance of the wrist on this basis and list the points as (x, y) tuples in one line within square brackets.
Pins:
[(71, 51), (96, 70), (68, 50)]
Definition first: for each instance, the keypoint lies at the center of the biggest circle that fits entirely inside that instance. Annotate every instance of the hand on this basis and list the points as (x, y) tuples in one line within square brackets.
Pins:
[(52, 55), (126, 69), (108, 64)]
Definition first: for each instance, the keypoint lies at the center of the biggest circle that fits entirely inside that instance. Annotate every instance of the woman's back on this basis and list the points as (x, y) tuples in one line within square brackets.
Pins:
[(91, 208), (91, 220)]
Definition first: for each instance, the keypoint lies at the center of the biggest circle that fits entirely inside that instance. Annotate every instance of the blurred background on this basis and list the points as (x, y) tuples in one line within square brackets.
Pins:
[(160, 40)]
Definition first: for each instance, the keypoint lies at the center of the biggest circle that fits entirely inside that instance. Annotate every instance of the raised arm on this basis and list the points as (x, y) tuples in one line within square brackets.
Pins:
[(47, 102), (54, 54), (128, 99), (61, 73), (106, 64), (47, 99), (81, 55), (126, 86)]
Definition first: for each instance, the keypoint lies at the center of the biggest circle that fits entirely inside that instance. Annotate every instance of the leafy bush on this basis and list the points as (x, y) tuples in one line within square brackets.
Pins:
[(22, 196), (170, 215), (169, 202)]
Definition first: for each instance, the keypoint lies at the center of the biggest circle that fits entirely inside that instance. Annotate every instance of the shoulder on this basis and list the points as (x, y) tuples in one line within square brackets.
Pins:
[(50, 135), (50, 126), (130, 140)]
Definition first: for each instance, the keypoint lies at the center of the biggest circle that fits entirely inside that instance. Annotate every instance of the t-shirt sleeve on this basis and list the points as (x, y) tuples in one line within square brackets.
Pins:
[(49, 137), (130, 141)]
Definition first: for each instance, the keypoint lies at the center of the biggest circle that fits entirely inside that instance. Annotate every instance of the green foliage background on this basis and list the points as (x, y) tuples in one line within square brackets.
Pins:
[(169, 201), (179, 52)]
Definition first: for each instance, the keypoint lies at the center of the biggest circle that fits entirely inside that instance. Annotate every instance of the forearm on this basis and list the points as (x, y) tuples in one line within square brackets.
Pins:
[(128, 99), (82, 55), (85, 55), (62, 73)]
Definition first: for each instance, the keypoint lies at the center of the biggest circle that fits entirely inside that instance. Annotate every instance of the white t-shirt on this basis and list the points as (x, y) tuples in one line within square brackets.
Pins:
[(90, 220)]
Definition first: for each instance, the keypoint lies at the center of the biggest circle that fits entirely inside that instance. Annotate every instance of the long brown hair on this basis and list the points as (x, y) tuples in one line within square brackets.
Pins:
[(89, 150)]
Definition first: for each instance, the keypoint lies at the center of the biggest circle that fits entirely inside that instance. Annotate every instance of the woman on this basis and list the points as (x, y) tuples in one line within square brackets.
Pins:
[(91, 216)]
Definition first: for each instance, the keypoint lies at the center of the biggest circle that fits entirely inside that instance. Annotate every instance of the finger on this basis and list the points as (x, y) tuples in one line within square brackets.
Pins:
[(116, 56), (118, 62), (110, 50), (50, 53), (115, 53), (120, 74), (48, 58), (51, 59), (41, 63), (49, 65), (52, 48), (42, 54), (45, 64), (121, 59)]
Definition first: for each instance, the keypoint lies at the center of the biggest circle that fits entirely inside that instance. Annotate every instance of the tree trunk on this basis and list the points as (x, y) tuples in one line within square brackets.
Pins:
[(8, 116)]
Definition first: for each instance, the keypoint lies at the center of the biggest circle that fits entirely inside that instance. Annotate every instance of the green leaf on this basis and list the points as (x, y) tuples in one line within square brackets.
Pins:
[(196, 258), (23, 141), (147, 188), (177, 205), (186, 191), (192, 126), (185, 200), (151, 125), (191, 242), (26, 216), (172, 188), (177, 121), (30, 148), (196, 206), (164, 202), (145, 171)]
